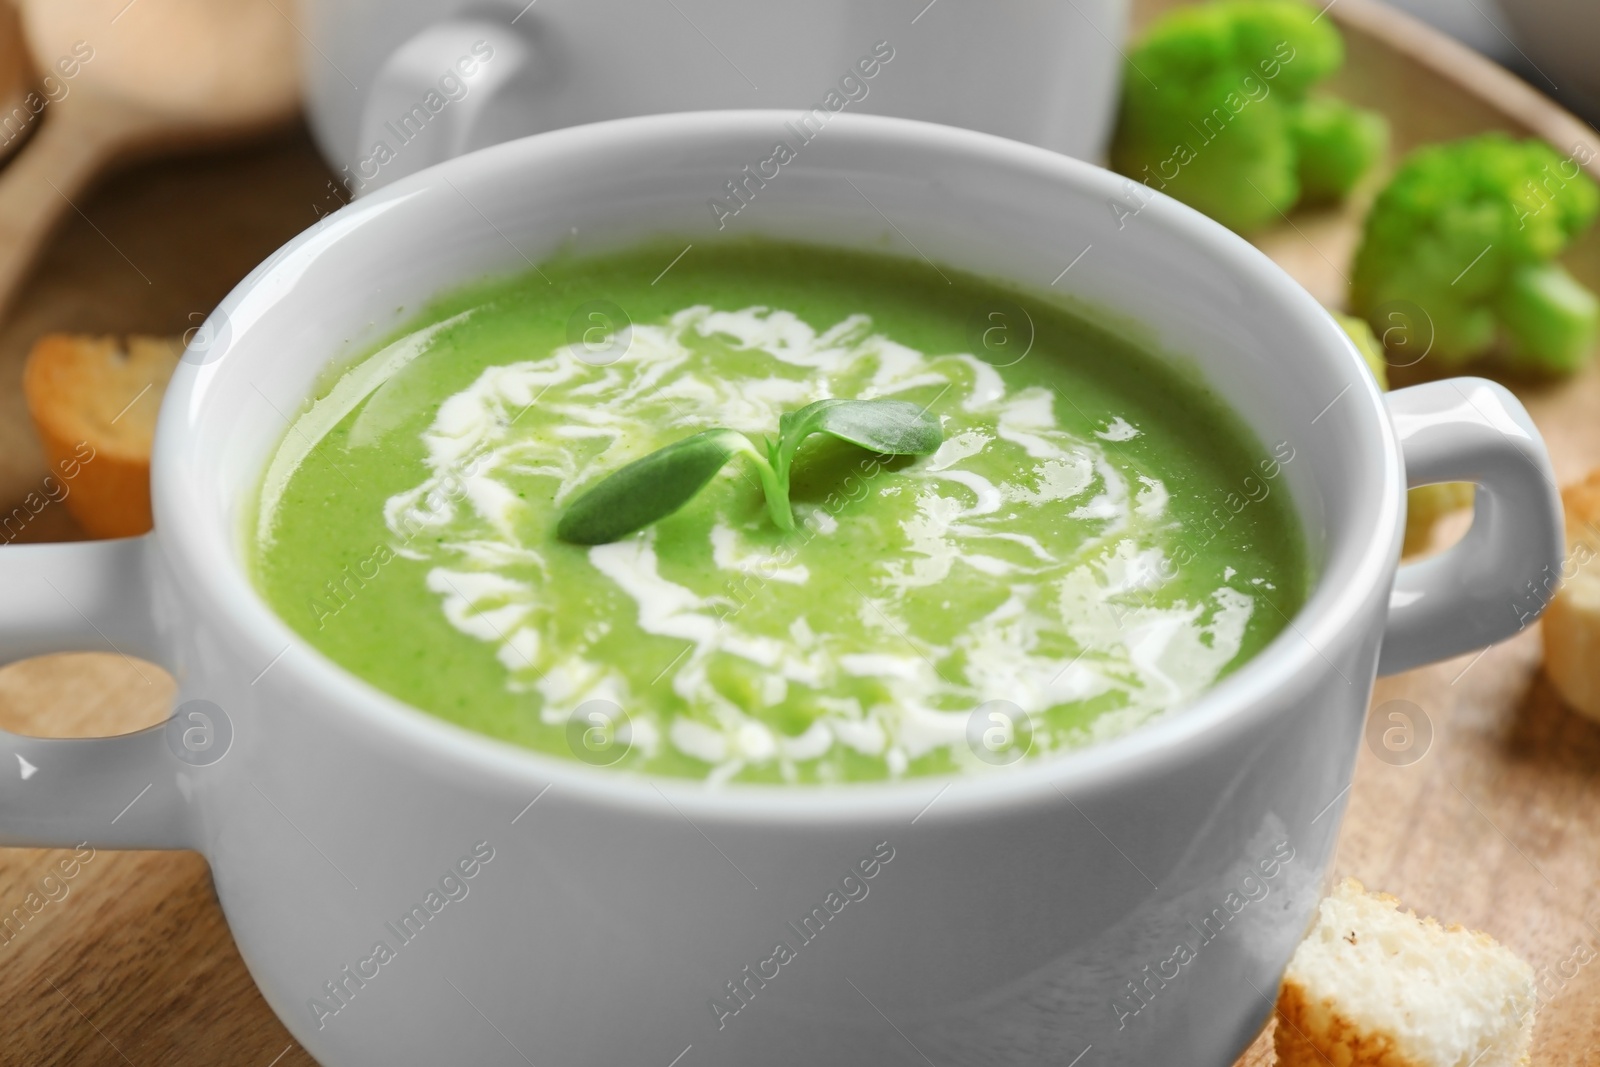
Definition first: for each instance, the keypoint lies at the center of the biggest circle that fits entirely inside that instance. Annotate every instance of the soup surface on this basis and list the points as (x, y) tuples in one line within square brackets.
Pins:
[(1097, 540)]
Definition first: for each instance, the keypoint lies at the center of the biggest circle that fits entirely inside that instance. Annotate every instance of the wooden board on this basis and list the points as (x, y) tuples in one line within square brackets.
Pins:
[(1497, 825)]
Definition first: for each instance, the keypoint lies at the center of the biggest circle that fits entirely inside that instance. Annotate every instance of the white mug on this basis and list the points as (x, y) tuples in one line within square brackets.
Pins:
[(397, 85), (405, 891)]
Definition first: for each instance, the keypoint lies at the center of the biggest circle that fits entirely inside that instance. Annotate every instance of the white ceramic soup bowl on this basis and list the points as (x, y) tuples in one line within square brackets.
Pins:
[(393, 86), (408, 892)]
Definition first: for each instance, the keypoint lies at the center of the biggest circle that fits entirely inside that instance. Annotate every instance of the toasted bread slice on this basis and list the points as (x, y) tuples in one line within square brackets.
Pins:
[(94, 403), (1374, 986), (1572, 621)]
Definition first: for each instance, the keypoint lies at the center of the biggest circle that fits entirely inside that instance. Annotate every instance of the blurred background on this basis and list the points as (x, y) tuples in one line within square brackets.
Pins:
[(1550, 43)]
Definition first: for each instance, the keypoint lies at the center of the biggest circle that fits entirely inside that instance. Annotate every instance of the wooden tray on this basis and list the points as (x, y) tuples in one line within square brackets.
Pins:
[(1496, 826)]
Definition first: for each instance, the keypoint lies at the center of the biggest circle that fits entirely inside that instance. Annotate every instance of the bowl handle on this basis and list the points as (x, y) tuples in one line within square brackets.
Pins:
[(112, 792), (428, 97), (1501, 574)]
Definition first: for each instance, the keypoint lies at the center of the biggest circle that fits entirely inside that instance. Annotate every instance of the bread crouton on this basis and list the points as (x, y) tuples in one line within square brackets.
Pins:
[(94, 403), (1375, 986), (1572, 621)]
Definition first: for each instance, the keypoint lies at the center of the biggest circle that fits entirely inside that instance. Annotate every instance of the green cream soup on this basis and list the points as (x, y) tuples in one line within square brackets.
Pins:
[(1097, 540)]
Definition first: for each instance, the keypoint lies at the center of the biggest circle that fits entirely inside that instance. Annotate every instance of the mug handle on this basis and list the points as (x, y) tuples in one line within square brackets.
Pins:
[(397, 115), (1498, 578), (110, 792)]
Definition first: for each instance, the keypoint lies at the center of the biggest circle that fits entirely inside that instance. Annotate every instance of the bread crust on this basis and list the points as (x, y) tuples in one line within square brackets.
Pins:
[(1314, 1034)]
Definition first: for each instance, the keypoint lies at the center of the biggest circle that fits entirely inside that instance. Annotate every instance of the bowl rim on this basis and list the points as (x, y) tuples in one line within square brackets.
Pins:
[(214, 577)]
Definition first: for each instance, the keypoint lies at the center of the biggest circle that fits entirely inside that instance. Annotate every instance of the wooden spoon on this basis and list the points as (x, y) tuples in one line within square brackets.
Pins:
[(16, 84), (161, 75)]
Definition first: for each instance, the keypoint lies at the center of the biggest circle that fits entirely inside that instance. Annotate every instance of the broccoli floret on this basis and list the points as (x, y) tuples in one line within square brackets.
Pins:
[(1215, 112), (1426, 504), (1336, 143), (1468, 232)]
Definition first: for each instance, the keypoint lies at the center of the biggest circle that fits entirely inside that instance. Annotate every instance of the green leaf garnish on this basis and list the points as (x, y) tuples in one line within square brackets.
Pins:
[(649, 489)]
